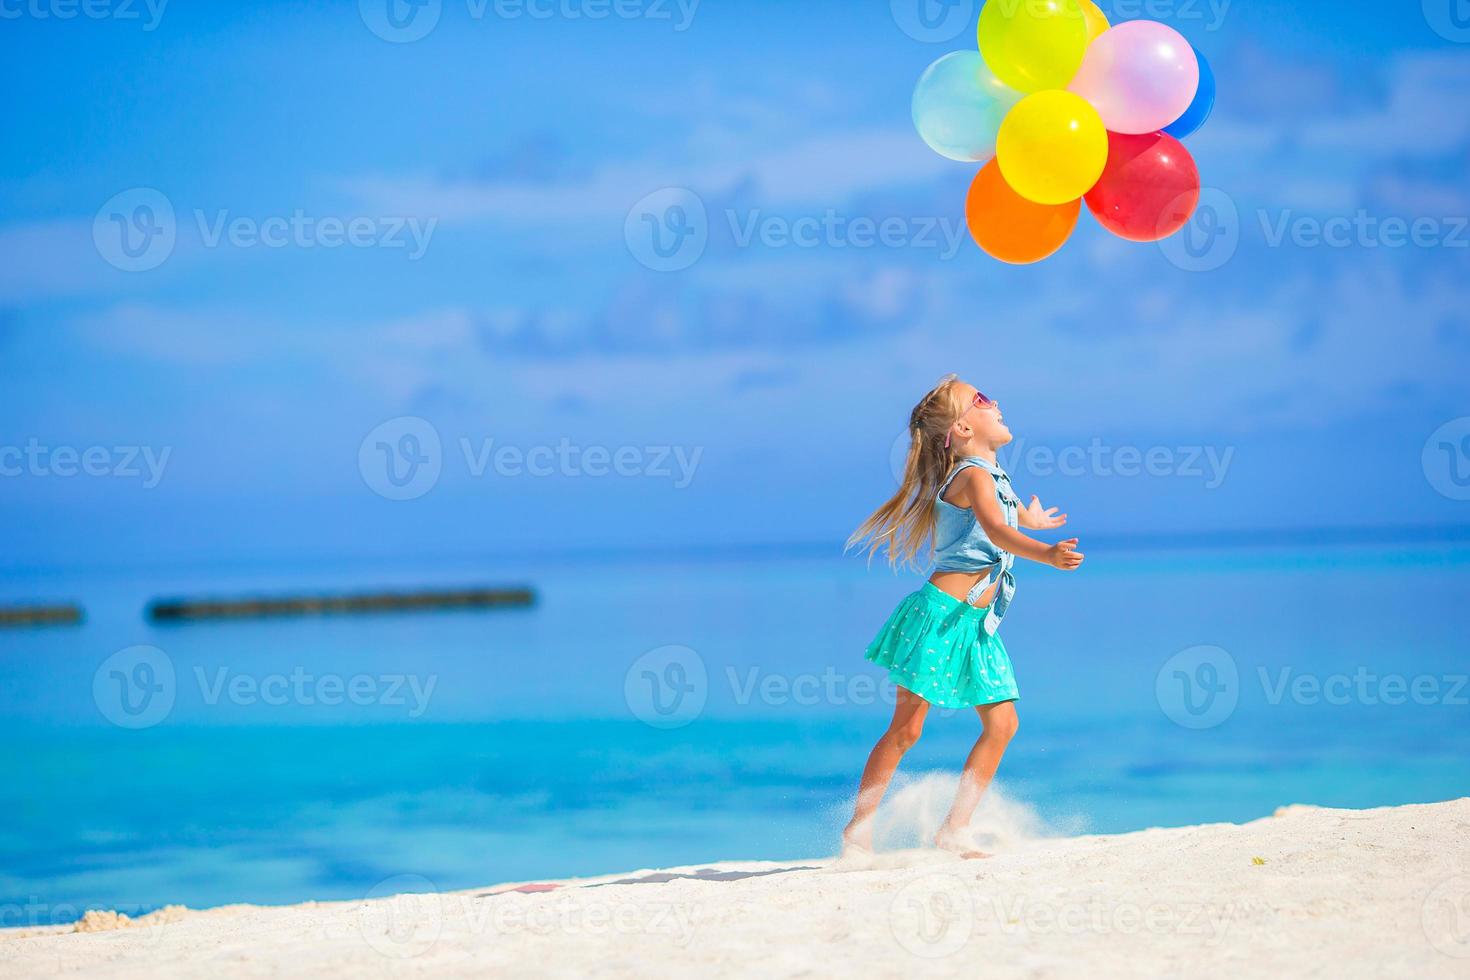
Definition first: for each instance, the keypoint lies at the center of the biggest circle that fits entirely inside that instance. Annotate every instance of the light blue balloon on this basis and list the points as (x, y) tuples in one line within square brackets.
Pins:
[(1199, 110), (959, 105)]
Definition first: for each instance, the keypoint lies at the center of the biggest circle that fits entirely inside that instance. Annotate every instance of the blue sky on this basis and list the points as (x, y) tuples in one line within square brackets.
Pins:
[(522, 142)]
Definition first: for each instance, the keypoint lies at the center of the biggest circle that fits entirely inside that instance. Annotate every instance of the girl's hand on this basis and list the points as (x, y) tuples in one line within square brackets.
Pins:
[(1037, 518), (1064, 555)]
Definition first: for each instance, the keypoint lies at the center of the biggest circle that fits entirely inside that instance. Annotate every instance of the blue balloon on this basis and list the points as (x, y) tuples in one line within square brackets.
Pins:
[(1199, 110), (959, 105)]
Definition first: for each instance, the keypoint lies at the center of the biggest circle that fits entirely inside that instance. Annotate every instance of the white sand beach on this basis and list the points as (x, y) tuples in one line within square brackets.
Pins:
[(1306, 892)]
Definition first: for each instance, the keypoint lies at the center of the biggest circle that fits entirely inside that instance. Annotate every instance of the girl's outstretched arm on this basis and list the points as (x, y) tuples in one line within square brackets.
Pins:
[(980, 488)]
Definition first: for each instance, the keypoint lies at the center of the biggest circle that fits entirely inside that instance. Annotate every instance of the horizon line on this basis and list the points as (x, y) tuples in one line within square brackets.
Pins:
[(1330, 536)]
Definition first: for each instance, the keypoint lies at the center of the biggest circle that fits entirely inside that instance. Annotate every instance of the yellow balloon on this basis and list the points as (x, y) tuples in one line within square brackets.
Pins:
[(1033, 45), (1097, 21), (1052, 147)]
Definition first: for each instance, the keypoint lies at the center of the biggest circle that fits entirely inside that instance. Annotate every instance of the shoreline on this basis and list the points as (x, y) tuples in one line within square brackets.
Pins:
[(1361, 892)]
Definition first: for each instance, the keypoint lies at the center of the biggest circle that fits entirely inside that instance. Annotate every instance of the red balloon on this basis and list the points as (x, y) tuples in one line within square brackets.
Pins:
[(1148, 190)]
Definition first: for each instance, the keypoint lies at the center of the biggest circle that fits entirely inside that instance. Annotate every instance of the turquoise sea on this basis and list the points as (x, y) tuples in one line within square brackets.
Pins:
[(665, 710)]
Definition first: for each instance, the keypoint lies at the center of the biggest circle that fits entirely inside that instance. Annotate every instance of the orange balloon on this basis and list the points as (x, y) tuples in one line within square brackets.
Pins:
[(1009, 227)]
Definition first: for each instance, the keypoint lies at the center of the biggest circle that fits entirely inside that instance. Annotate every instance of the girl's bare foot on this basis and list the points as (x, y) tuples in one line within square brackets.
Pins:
[(958, 842), (857, 840)]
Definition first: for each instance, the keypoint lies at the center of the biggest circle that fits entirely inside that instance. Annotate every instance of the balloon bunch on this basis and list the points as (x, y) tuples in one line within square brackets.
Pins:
[(1061, 108)]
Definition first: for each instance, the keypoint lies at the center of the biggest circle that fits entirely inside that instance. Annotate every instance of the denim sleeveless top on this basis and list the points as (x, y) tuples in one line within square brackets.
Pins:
[(961, 544)]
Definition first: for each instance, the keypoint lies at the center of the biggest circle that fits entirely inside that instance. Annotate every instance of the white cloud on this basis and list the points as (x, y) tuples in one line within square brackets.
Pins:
[(51, 258), (820, 170), (1426, 113)]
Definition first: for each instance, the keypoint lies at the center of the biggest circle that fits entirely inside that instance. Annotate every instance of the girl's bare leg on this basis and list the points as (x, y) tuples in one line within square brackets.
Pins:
[(903, 732), (1000, 721)]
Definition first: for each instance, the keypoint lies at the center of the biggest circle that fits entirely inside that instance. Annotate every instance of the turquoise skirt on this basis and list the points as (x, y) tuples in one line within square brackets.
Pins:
[(936, 646)]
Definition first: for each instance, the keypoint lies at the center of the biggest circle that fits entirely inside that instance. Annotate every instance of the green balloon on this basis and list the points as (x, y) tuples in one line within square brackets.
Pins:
[(959, 105), (1033, 45)]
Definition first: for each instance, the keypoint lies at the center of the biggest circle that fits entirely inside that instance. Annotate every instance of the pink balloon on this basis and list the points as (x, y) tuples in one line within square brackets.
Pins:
[(1140, 76)]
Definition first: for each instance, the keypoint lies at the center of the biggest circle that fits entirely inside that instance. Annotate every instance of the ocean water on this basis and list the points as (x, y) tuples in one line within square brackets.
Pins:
[(674, 711)]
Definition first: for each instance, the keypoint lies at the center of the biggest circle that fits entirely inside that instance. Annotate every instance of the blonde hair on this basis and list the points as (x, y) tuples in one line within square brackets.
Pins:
[(904, 525)]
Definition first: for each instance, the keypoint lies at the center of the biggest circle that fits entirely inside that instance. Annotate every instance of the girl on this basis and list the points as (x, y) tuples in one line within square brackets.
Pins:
[(940, 645)]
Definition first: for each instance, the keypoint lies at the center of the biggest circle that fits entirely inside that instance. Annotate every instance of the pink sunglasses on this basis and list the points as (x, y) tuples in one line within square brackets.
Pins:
[(980, 402)]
